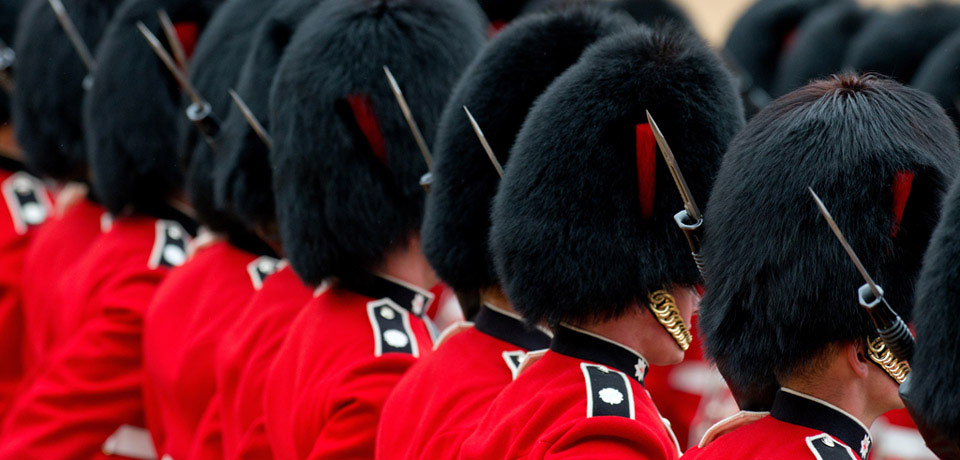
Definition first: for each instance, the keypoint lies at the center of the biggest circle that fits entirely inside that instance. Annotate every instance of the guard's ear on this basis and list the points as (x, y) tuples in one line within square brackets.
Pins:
[(856, 357)]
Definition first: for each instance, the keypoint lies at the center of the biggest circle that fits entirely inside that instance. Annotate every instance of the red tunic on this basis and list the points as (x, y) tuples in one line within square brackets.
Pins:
[(440, 401), (583, 399), (54, 251), (183, 326), (26, 204), (343, 355), (797, 427), (245, 352), (92, 384)]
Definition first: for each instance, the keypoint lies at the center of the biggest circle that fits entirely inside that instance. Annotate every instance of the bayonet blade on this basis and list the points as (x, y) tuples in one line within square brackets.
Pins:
[(170, 64), (688, 202), (173, 39), (75, 39), (252, 119), (846, 245), (417, 136), (483, 142)]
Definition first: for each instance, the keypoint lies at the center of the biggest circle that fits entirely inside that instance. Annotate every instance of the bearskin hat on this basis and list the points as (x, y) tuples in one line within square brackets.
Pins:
[(938, 75), (132, 109), (49, 92), (780, 286), (894, 44), (764, 33), (935, 378), (820, 45), (502, 11), (242, 179), (582, 224), (9, 12), (346, 167), (214, 69), (499, 87), (651, 12)]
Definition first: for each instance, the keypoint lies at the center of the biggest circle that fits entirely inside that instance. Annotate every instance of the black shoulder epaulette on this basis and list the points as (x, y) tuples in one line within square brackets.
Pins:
[(608, 392), (391, 328), (825, 447)]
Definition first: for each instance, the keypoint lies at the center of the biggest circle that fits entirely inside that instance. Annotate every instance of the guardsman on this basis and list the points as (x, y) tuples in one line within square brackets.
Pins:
[(781, 298), (584, 239), (26, 205), (819, 45), (936, 75), (87, 398), (50, 129), (894, 43), (198, 301), (349, 206), (242, 186), (452, 388), (244, 176), (761, 35)]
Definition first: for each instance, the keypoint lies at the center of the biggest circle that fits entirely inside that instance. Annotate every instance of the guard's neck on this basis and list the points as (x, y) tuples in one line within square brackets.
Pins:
[(495, 296), (407, 263), (845, 394), (8, 143)]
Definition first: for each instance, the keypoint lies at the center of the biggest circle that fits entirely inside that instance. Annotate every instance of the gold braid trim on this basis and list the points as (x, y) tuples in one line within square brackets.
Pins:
[(879, 353), (664, 308)]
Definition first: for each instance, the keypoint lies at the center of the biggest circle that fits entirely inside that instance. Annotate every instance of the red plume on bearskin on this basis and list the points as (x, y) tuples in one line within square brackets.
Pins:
[(646, 168)]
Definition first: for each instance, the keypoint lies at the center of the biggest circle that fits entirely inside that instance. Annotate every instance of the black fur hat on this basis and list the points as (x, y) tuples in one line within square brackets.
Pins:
[(499, 87), (346, 168), (820, 45), (936, 377), (214, 69), (780, 286), (502, 11), (651, 12), (764, 33), (242, 180), (49, 93), (894, 44), (9, 12), (132, 110), (582, 224), (938, 75)]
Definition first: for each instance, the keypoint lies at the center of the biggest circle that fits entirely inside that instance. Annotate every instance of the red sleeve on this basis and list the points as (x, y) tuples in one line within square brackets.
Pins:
[(208, 440), (89, 387), (615, 437), (254, 445), (350, 428)]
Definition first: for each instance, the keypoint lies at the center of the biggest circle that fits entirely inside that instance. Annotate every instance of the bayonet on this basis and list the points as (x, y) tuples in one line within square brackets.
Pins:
[(417, 136), (252, 119), (483, 142), (7, 58), (199, 111), (75, 39), (173, 39), (890, 327), (689, 218)]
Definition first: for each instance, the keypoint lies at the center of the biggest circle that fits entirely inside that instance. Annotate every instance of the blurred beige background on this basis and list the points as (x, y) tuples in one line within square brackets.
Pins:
[(715, 17)]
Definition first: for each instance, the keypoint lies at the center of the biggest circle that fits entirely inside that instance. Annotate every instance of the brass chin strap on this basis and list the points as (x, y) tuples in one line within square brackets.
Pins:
[(879, 353), (664, 308)]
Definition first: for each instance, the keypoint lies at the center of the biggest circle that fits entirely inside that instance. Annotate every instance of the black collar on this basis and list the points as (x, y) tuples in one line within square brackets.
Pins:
[(11, 165), (168, 212), (500, 325), (580, 344), (405, 295), (798, 409)]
